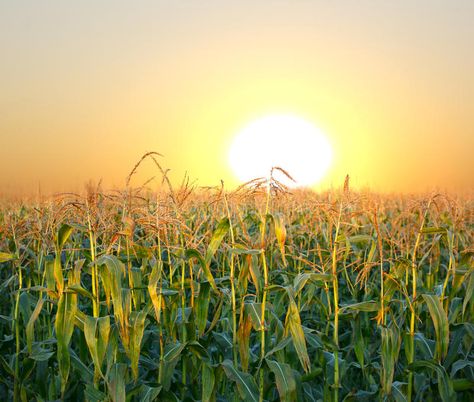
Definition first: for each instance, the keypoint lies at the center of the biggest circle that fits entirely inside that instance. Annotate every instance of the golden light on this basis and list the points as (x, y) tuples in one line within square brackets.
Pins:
[(286, 141)]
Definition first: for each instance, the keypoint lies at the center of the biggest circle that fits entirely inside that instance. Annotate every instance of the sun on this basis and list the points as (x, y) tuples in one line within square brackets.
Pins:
[(286, 141)]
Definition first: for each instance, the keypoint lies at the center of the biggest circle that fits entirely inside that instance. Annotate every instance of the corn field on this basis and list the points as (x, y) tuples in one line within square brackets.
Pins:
[(255, 295)]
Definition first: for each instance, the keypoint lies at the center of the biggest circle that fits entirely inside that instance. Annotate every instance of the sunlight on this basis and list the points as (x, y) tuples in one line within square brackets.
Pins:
[(286, 141)]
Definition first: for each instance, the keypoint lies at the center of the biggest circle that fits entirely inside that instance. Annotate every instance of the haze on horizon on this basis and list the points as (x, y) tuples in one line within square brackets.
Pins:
[(88, 87)]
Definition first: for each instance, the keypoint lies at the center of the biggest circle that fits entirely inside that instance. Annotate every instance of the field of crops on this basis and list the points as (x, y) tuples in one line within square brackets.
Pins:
[(250, 295)]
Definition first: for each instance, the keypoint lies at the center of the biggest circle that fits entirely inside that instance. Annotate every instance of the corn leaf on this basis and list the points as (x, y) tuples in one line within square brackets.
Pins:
[(4, 257), (441, 325), (64, 326), (293, 325), (245, 383), (285, 380), (202, 306), (208, 382), (445, 385), (116, 382), (216, 239), (30, 327)]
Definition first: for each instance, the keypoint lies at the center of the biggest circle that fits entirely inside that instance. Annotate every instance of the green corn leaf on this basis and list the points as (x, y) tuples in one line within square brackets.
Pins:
[(39, 354), (424, 346), (137, 327), (441, 325), (445, 385), (202, 307), (63, 235), (96, 332), (360, 239), (302, 278), (240, 249), (4, 257), (208, 382), (80, 290), (152, 284), (170, 359), (149, 394), (254, 311), (116, 382), (58, 274), (64, 326), (216, 239), (280, 346), (280, 233), (243, 340), (136, 284), (192, 253), (285, 380), (111, 273), (461, 364), (390, 349), (30, 327), (463, 384), (359, 343), (50, 281), (434, 230), (398, 392), (84, 371), (469, 297), (255, 273), (367, 306), (293, 325), (93, 394), (245, 383)]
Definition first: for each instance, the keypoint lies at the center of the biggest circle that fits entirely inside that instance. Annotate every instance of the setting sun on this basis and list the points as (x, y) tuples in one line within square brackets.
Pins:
[(288, 142)]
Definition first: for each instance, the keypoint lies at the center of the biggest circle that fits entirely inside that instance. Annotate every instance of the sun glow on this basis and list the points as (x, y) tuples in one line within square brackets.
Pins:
[(284, 141)]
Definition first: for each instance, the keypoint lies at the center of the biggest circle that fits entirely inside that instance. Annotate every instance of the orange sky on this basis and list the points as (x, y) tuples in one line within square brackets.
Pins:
[(87, 88)]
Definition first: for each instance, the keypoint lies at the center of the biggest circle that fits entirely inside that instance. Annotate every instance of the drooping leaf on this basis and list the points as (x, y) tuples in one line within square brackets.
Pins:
[(293, 325), (302, 278), (4, 257), (156, 298), (149, 394), (285, 380), (441, 325), (469, 297), (245, 383), (202, 306), (192, 253), (170, 359), (367, 306), (208, 382), (64, 326), (254, 311), (216, 239), (63, 235), (137, 327), (243, 340), (280, 233), (445, 384), (96, 333), (30, 327), (116, 382), (390, 349)]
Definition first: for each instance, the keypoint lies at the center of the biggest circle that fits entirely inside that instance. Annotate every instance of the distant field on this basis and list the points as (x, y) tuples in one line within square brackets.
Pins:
[(249, 295)]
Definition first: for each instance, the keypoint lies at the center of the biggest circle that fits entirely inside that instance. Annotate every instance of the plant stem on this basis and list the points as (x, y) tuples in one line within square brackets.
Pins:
[(335, 284), (232, 284), (264, 297), (411, 355)]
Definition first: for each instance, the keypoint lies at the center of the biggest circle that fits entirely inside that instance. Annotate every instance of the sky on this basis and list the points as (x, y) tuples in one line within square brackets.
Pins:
[(88, 87)]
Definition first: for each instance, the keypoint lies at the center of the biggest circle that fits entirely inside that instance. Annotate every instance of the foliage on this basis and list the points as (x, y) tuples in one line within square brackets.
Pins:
[(249, 295)]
